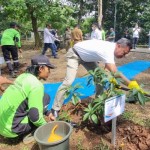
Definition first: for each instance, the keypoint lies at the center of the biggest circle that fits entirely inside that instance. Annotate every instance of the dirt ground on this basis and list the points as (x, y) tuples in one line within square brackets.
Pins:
[(133, 128)]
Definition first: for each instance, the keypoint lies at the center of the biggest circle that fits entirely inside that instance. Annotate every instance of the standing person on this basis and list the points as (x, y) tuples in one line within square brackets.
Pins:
[(88, 53), (76, 34), (136, 31), (96, 33), (67, 38), (56, 42), (127, 35), (49, 42), (10, 41), (149, 40), (111, 37), (103, 34), (24, 103)]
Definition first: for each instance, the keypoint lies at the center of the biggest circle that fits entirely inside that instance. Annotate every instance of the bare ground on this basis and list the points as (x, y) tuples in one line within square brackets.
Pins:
[(133, 129)]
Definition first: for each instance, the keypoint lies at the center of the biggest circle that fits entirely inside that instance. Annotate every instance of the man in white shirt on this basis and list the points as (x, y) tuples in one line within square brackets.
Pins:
[(49, 41), (96, 33), (136, 32), (88, 53)]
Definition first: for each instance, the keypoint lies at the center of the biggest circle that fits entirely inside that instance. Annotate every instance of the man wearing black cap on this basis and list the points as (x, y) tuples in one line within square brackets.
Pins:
[(24, 104), (10, 41)]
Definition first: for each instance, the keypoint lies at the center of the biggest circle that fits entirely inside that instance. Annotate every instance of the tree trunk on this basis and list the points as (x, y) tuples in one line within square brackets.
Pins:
[(100, 16), (80, 12), (38, 42)]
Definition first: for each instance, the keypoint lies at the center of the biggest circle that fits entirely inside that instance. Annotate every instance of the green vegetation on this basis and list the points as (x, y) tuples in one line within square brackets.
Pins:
[(33, 14)]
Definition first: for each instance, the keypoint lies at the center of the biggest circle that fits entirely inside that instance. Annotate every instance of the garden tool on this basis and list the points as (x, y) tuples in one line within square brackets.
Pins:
[(127, 89), (54, 137)]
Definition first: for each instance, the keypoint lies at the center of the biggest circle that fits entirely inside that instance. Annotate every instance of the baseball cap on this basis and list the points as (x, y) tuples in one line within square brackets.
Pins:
[(42, 60)]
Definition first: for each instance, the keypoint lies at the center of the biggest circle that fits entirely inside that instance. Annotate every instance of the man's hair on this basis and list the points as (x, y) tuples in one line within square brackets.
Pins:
[(13, 24), (77, 25), (125, 42), (95, 24), (48, 25)]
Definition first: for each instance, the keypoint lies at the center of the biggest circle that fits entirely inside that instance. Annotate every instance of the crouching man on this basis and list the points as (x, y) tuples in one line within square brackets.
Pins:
[(24, 104)]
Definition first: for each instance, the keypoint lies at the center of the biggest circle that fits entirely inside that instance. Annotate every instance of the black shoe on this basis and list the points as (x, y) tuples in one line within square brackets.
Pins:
[(28, 138), (13, 75), (55, 113), (15, 70), (73, 124), (56, 57)]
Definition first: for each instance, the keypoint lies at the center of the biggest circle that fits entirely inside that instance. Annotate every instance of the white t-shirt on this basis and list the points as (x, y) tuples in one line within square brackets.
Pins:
[(136, 32), (96, 34), (96, 50), (48, 37)]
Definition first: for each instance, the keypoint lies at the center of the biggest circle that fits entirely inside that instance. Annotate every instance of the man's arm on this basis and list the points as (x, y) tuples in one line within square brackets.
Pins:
[(4, 80), (113, 68)]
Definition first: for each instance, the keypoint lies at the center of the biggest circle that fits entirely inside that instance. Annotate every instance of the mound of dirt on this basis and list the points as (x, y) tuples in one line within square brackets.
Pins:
[(133, 136)]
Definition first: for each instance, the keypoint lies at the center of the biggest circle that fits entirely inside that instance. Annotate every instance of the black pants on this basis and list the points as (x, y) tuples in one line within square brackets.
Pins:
[(135, 41), (10, 50), (25, 128)]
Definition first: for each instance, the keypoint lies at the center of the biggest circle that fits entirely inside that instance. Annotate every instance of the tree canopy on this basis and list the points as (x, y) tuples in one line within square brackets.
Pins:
[(34, 14)]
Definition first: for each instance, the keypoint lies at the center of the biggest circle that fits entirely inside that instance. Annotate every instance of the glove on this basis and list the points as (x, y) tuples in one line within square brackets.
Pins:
[(134, 85), (113, 80)]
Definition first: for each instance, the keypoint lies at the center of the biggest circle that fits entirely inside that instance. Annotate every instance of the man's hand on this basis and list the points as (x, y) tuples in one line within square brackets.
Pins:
[(51, 117)]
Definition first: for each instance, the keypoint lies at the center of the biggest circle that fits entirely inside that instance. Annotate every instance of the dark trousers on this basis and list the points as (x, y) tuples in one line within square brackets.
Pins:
[(135, 41), (57, 43), (52, 46), (8, 51), (26, 128)]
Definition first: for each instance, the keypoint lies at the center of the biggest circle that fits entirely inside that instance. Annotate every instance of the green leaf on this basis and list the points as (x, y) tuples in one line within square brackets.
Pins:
[(141, 98), (85, 117), (94, 118), (86, 110)]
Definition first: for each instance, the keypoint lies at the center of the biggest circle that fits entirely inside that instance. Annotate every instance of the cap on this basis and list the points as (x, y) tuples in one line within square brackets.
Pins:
[(42, 60)]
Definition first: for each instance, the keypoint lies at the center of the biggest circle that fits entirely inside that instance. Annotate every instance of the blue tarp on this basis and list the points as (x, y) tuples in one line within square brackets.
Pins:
[(130, 70)]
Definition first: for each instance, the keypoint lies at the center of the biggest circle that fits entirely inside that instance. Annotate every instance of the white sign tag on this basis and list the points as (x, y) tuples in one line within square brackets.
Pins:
[(114, 107)]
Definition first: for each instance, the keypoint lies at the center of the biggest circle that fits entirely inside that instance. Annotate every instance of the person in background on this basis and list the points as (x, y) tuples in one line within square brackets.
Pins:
[(10, 43), (103, 33), (149, 41), (111, 37), (89, 53), (127, 35), (67, 38), (49, 39), (76, 34), (96, 33), (57, 43), (24, 103), (136, 31)]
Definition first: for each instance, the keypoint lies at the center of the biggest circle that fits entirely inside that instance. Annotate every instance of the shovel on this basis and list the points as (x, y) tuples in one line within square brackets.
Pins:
[(127, 89), (54, 137)]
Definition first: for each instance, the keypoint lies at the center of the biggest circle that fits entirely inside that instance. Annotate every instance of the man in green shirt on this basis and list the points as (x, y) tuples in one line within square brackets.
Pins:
[(9, 42), (24, 104)]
